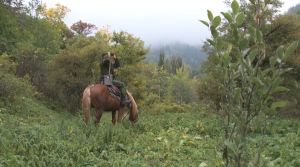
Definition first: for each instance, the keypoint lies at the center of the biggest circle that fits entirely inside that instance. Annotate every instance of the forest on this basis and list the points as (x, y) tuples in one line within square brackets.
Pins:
[(233, 101)]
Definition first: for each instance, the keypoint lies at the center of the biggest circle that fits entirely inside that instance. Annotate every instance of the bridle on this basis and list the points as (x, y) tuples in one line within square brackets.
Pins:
[(134, 121)]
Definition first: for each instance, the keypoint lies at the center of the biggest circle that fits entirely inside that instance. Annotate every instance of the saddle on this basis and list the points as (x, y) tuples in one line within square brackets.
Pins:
[(114, 92)]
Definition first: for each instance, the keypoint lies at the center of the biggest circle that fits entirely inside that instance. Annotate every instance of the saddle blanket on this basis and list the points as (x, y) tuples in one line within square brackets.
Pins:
[(114, 92)]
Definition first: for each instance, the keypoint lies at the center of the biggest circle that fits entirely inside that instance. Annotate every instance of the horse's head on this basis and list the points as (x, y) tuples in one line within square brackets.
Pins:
[(134, 111)]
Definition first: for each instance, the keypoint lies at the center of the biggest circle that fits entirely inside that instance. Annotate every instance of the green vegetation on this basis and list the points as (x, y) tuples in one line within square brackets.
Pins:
[(39, 136), (221, 114)]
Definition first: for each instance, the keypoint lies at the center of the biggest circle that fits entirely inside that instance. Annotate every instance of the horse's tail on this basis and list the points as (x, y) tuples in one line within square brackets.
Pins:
[(86, 104)]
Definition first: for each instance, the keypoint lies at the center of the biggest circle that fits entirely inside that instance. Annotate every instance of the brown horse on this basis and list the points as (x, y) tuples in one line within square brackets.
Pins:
[(98, 97)]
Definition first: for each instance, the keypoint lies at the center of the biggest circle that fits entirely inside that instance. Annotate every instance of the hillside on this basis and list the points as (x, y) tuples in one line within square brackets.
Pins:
[(294, 9), (191, 55), (37, 135)]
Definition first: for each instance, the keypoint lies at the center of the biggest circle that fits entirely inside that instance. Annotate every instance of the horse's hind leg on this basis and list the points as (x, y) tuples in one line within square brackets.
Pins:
[(98, 116)]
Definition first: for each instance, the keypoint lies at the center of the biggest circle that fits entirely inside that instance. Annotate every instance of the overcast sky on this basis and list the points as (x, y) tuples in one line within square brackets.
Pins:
[(153, 21)]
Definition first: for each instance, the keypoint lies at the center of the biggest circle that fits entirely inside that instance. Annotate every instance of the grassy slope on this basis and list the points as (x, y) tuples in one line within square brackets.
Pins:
[(39, 136)]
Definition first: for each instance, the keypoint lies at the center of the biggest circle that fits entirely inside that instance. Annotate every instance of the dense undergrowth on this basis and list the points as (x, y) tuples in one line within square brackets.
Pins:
[(39, 136)]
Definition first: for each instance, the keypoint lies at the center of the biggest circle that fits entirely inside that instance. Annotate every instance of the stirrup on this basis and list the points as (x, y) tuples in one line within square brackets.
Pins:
[(125, 102)]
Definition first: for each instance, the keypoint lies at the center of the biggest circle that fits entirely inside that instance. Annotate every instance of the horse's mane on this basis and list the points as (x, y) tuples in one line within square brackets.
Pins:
[(134, 105)]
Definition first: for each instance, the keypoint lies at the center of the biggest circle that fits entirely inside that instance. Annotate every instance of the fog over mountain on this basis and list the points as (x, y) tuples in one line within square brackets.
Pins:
[(190, 54), (156, 22)]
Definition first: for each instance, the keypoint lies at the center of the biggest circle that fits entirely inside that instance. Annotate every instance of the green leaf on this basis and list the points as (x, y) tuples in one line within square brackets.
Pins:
[(244, 43), (272, 61), (225, 55), (232, 65), (258, 82), (227, 16), (204, 22), (267, 2), (279, 52), (234, 42), (279, 89), (229, 144), (252, 31), (210, 15), (233, 26), (262, 46), (259, 36), (248, 68), (224, 72), (272, 111), (263, 73), (237, 91), (235, 119), (284, 71), (211, 42), (227, 61), (235, 7), (216, 22), (240, 18), (236, 34), (220, 43), (253, 1), (252, 55), (214, 32), (229, 48), (245, 51), (291, 48), (203, 164), (276, 82), (278, 104)]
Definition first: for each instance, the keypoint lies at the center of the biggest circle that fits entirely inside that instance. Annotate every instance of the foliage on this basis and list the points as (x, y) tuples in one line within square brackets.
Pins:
[(130, 49), (83, 28), (40, 136), (55, 14), (104, 35), (72, 70), (179, 87), (246, 87)]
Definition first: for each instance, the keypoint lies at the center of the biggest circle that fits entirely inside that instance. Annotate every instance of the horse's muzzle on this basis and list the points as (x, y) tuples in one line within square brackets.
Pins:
[(134, 121)]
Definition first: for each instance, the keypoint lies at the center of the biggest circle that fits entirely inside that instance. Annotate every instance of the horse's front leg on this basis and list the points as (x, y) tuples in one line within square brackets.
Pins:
[(98, 116), (120, 114), (113, 117)]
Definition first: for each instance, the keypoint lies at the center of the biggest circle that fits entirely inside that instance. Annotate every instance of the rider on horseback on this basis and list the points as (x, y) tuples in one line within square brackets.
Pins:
[(104, 70)]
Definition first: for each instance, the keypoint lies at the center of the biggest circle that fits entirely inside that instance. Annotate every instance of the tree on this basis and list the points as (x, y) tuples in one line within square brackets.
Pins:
[(104, 35), (179, 87), (246, 88), (128, 48), (83, 28), (161, 59), (55, 14)]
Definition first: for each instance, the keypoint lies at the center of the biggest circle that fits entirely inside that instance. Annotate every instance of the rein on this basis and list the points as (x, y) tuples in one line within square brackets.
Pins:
[(132, 122)]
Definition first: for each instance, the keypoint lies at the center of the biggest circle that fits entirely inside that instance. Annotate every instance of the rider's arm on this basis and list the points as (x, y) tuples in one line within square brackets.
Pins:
[(117, 63), (106, 61)]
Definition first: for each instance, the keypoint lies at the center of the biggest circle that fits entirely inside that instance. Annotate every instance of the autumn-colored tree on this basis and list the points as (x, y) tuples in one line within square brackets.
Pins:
[(104, 35), (83, 28), (55, 14)]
